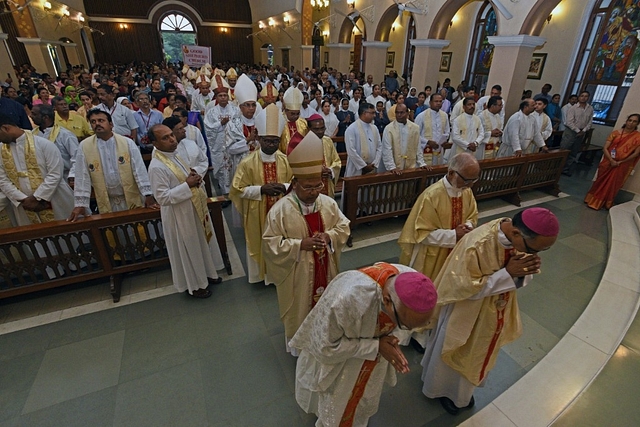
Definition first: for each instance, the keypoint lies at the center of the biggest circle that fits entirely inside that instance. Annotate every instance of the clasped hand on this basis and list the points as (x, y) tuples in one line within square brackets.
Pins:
[(274, 189), (317, 242), (520, 264), (390, 350)]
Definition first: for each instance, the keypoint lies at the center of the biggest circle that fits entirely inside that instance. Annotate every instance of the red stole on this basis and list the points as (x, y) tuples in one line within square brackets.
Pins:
[(293, 129), (246, 131), (270, 177), (501, 303), (456, 213), (320, 264), (380, 272)]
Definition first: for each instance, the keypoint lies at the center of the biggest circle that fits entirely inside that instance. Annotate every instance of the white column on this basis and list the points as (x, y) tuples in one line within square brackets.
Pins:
[(426, 62), (375, 58)]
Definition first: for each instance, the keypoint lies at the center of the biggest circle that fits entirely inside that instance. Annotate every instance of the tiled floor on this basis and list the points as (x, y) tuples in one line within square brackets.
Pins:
[(175, 361)]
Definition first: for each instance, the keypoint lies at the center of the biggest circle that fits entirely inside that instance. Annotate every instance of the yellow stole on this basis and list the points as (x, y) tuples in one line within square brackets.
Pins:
[(464, 130), (492, 145), (428, 133), (198, 196), (33, 173), (301, 125), (131, 191), (364, 142), (52, 136), (408, 159)]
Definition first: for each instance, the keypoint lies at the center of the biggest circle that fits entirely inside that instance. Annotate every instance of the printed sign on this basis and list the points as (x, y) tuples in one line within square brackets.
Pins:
[(196, 56)]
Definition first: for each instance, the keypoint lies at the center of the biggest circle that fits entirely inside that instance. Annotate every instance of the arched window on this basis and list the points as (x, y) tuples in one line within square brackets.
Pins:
[(176, 30), (608, 59), (481, 52), (410, 51)]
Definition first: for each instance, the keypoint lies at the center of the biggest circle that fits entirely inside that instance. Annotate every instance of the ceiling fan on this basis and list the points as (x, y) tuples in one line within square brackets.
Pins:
[(410, 7)]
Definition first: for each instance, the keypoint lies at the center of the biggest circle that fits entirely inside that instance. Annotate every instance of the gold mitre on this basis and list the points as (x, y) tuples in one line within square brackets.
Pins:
[(269, 121), (231, 73), (293, 99), (269, 93), (306, 157), (245, 90)]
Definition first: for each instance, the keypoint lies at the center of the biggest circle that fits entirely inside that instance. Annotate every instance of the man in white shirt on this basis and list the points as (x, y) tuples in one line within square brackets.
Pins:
[(368, 86), (122, 118), (579, 121), (521, 134), (481, 105)]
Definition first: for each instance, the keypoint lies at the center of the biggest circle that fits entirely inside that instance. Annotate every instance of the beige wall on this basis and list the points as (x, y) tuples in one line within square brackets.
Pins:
[(398, 40), (459, 34)]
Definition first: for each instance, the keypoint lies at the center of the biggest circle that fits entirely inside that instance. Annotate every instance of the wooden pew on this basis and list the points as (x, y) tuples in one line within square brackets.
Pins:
[(375, 197), (59, 253)]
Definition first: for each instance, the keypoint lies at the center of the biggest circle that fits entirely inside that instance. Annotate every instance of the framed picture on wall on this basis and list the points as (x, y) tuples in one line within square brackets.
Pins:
[(445, 61), (391, 59), (351, 58), (326, 57), (537, 66)]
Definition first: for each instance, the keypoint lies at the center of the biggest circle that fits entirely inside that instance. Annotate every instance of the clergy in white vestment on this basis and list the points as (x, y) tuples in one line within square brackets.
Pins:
[(31, 176), (481, 105), (347, 350), (544, 121), (458, 107), (401, 143), (44, 117), (477, 301), (362, 141), (303, 237), (216, 118), (193, 133), (112, 165), (202, 96), (492, 122), (434, 131), (521, 133), (186, 222), (467, 132)]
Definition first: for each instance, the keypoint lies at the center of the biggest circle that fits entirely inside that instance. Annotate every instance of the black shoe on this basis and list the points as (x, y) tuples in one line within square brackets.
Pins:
[(417, 346), (449, 406), (471, 403), (214, 281), (225, 204)]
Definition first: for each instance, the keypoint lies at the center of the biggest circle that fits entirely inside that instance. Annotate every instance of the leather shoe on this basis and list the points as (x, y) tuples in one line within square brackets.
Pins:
[(449, 406), (417, 346), (471, 403), (216, 281)]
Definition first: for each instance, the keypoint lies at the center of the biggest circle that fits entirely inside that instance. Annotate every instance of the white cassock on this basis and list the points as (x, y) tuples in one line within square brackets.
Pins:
[(354, 145), (66, 142), (544, 124), (482, 103), (335, 339), (53, 189), (194, 134), (192, 258), (439, 379), (189, 151), (467, 128), (520, 132), (108, 157), (236, 142), (457, 110), (199, 102), (440, 131), (388, 160), (216, 132)]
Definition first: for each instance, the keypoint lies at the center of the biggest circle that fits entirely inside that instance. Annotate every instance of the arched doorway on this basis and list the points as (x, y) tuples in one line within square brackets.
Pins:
[(65, 55), (176, 30)]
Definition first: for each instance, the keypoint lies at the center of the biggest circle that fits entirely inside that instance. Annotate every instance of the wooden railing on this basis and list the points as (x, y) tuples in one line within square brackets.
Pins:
[(375, 197), (59, 253)]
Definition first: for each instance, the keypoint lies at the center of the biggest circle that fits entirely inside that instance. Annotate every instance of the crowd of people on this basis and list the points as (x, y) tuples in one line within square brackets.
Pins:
[(150, 136)]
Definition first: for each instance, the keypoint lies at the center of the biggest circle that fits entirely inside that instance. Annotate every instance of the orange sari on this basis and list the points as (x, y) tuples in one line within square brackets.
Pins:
[(611, 179)]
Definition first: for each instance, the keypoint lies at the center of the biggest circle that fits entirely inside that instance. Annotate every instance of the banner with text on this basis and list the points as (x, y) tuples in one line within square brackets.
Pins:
[(196, 56)]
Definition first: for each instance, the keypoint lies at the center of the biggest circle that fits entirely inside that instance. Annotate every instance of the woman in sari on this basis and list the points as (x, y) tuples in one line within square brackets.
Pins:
[(620, 155)]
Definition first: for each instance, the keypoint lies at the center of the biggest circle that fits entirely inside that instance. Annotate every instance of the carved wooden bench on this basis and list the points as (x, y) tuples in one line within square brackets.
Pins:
[(59, 253), (375, 197)]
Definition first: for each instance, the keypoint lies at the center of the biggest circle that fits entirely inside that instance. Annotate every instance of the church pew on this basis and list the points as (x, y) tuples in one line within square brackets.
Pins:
[(376, 197), (44, 256)]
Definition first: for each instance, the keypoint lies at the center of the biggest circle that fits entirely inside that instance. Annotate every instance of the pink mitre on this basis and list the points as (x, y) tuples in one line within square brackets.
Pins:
[(314, 117), (416, 291), (541, 221)]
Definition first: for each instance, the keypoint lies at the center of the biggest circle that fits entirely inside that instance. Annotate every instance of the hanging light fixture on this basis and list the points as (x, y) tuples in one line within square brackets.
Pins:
[(319, 4)]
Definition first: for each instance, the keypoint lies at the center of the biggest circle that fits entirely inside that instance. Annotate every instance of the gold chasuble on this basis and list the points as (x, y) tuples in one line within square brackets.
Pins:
[(434, 210), (290, 128), (198, 196), (477, 329), (34, 174), (491, 148), (408, 159), (92, 155), (333, 162), (429, 154), (251, 171)]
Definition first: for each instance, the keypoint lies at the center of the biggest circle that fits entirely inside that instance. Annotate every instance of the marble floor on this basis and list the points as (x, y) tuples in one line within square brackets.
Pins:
[(70, 357)]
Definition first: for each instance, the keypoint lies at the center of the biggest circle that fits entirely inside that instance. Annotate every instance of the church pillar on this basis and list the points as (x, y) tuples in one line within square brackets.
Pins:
[(426, 62), (631, 105), (5, 59), (307, 56), (339, 55), (72, 53), (375, 59), (39, 55), (510, 66)]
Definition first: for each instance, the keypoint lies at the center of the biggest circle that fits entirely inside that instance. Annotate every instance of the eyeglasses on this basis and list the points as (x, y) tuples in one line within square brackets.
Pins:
[(318, 187), (249, 105), (467, 180), (395, 313)]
